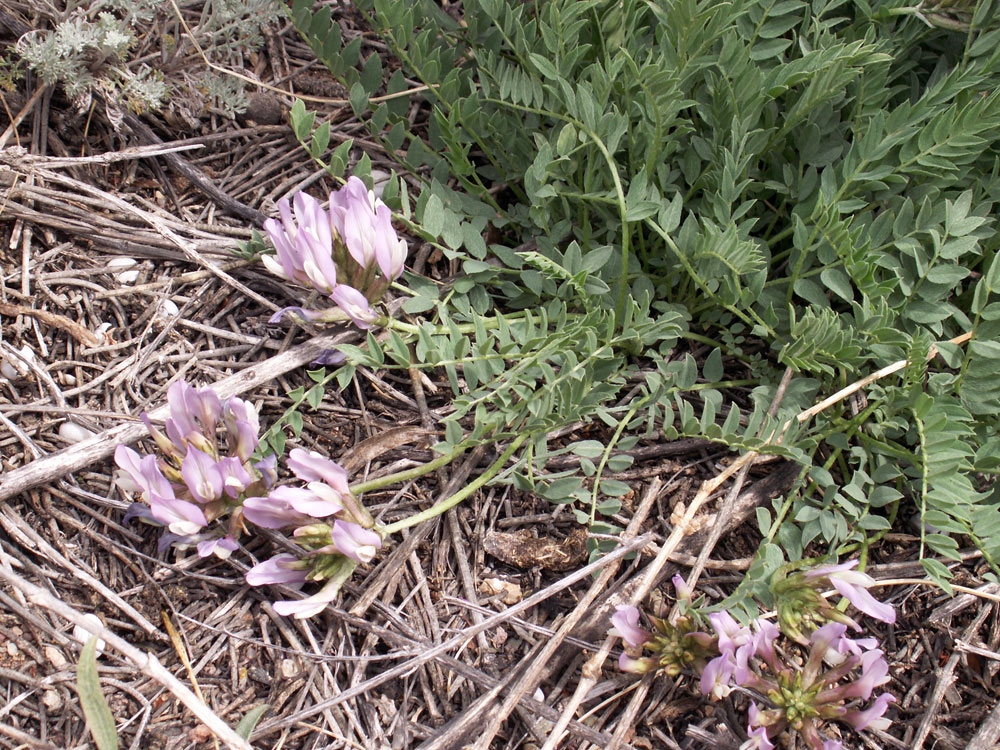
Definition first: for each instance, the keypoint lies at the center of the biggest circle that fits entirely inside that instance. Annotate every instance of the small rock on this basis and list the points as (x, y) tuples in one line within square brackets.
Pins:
[(129, 274), (74, 433), (511, 592), (55, 657), (14, 368), (289, 668), (52, 700), (167, 309), (82, 635)]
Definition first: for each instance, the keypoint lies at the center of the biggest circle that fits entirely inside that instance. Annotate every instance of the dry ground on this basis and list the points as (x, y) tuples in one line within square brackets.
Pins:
[(357, 676)]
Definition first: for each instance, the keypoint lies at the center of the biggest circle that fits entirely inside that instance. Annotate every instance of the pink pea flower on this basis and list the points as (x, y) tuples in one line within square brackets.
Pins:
[(221, 547), (390, 251), (301, 609), (303, 244), (681, 587), (871, 717), (717, 677), (355, 305), (202, 476), (349, 252), (354, 541), (290, 506), (310, 466), (180, 516), (763, 640), (758, 739), (853, 586), (874, 672), (193, 414), (626, 625), (243, 427), (235, 477), (281, 568), (143, 470), (732, 635), (365, 224)]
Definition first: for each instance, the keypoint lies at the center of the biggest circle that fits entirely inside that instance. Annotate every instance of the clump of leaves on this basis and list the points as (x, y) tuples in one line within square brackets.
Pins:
[(803, 185)]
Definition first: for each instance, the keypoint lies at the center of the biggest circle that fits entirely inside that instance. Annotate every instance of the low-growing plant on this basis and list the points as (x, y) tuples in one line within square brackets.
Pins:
[(779, 184), (806, 683), (90, 46)]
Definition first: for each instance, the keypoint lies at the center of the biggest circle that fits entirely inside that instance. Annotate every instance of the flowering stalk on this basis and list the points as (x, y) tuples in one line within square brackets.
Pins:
[(802, 694), (801, 605), (200, 475), (348, 252), (330, 526)]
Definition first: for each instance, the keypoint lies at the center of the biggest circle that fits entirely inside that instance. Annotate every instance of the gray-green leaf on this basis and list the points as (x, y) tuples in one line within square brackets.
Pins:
[(96, 711)]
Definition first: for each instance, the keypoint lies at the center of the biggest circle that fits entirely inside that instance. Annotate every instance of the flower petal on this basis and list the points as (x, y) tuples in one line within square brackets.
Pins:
[(281, 568), (625, 622), (864, 601)]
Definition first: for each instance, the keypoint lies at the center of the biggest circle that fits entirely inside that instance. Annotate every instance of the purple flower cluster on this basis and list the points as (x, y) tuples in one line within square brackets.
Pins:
[(801, 697), (802, 606), (327, 523), (802, 693), (349, 252), (205, 473), (198, 478), (676, 645)]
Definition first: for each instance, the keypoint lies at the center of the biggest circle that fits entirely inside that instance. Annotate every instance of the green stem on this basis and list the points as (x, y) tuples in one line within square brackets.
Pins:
[(405, 476), (615, 178), (489, 323), (607, 454), (450, 502)]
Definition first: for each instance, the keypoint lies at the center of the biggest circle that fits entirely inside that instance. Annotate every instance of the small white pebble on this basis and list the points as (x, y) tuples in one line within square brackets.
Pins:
[(12, 649), (52, 700), (289, 668), (539, 696), (13, 368), (82, 635), (126, 276), (74, 433), (55, 657), (102, 334), (167, 310)]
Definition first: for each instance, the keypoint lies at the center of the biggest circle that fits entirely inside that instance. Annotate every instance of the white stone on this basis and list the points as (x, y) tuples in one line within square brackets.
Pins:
[(13, 368), (82, 635), (71, 432), (125, 276)]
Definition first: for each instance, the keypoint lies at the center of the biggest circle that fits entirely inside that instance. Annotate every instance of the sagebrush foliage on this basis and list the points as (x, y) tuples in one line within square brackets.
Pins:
[(89, 47), (796, 184)]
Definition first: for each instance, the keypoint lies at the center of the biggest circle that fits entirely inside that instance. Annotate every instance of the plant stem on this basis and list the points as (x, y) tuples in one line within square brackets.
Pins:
[(405, 476), (450, 502)]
